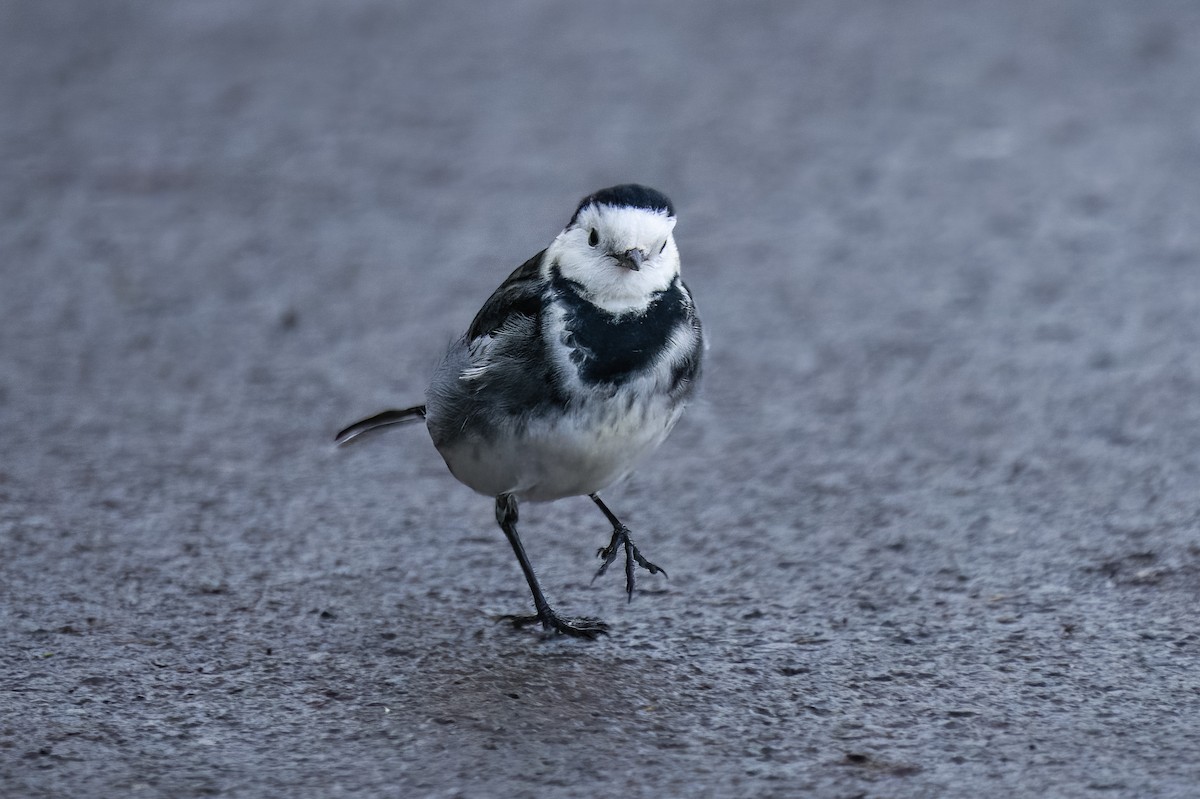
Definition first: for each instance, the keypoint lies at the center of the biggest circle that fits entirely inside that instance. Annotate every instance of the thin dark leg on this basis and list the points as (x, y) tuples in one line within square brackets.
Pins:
[(621, 537), (506, 517)]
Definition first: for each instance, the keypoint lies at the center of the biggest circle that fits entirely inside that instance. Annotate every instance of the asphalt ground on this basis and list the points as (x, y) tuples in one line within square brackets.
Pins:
[(931, 529)]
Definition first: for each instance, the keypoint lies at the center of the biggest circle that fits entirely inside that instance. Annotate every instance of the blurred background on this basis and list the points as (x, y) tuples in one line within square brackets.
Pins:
[(931, 529)]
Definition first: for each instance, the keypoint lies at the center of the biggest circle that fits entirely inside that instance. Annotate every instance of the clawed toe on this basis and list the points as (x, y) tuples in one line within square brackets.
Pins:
[(553, 624), (621, 537)]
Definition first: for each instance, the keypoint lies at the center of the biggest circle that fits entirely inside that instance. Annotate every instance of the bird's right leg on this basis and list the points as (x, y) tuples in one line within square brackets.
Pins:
[(506, 517)]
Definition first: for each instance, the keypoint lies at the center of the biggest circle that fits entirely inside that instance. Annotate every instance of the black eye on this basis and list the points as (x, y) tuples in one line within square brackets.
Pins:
[(660, 249), (593, 238)]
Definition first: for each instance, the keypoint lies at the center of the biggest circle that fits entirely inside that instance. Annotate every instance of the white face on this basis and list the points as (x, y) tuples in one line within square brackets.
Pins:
[(599, 250)]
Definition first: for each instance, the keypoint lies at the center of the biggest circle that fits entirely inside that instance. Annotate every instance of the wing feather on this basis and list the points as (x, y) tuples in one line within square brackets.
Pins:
[(519, 295)]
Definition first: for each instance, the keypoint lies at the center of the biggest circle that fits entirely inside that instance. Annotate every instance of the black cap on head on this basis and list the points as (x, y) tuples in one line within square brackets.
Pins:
[(627, 195)]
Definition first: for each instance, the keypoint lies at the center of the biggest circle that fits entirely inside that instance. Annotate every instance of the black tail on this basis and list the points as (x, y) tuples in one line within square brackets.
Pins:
[(380, 420)]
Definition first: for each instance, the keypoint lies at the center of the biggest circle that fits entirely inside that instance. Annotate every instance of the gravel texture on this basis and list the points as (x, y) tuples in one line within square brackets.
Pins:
[(931, 531)]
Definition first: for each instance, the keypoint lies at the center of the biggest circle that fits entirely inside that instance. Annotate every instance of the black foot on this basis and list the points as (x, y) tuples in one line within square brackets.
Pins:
[(621, 537), (554, 624)]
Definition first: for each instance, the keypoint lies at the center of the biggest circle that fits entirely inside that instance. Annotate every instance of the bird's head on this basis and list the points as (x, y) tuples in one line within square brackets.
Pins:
[(618, 247)]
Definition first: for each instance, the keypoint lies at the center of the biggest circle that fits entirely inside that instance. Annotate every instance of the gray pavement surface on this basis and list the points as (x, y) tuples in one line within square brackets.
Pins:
[(932, 530)]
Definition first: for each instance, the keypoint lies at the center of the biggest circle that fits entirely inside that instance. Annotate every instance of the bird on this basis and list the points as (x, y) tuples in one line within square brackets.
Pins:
[(575, 369)]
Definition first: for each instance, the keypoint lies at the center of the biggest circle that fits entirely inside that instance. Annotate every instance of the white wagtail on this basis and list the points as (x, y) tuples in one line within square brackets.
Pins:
[(575, 368)]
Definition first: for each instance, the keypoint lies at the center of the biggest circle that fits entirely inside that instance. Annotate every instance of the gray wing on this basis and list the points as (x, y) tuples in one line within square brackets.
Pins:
[(497, 373), (519, 295)]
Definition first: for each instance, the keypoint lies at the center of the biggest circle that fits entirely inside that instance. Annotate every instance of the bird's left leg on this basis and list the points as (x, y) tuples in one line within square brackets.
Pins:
[(621, 537)]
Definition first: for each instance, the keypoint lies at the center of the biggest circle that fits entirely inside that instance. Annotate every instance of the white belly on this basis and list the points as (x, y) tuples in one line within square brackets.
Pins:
[(550, 458)]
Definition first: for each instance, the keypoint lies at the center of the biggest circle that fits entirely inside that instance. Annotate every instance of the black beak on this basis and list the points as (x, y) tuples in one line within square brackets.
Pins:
[(631, 259)]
